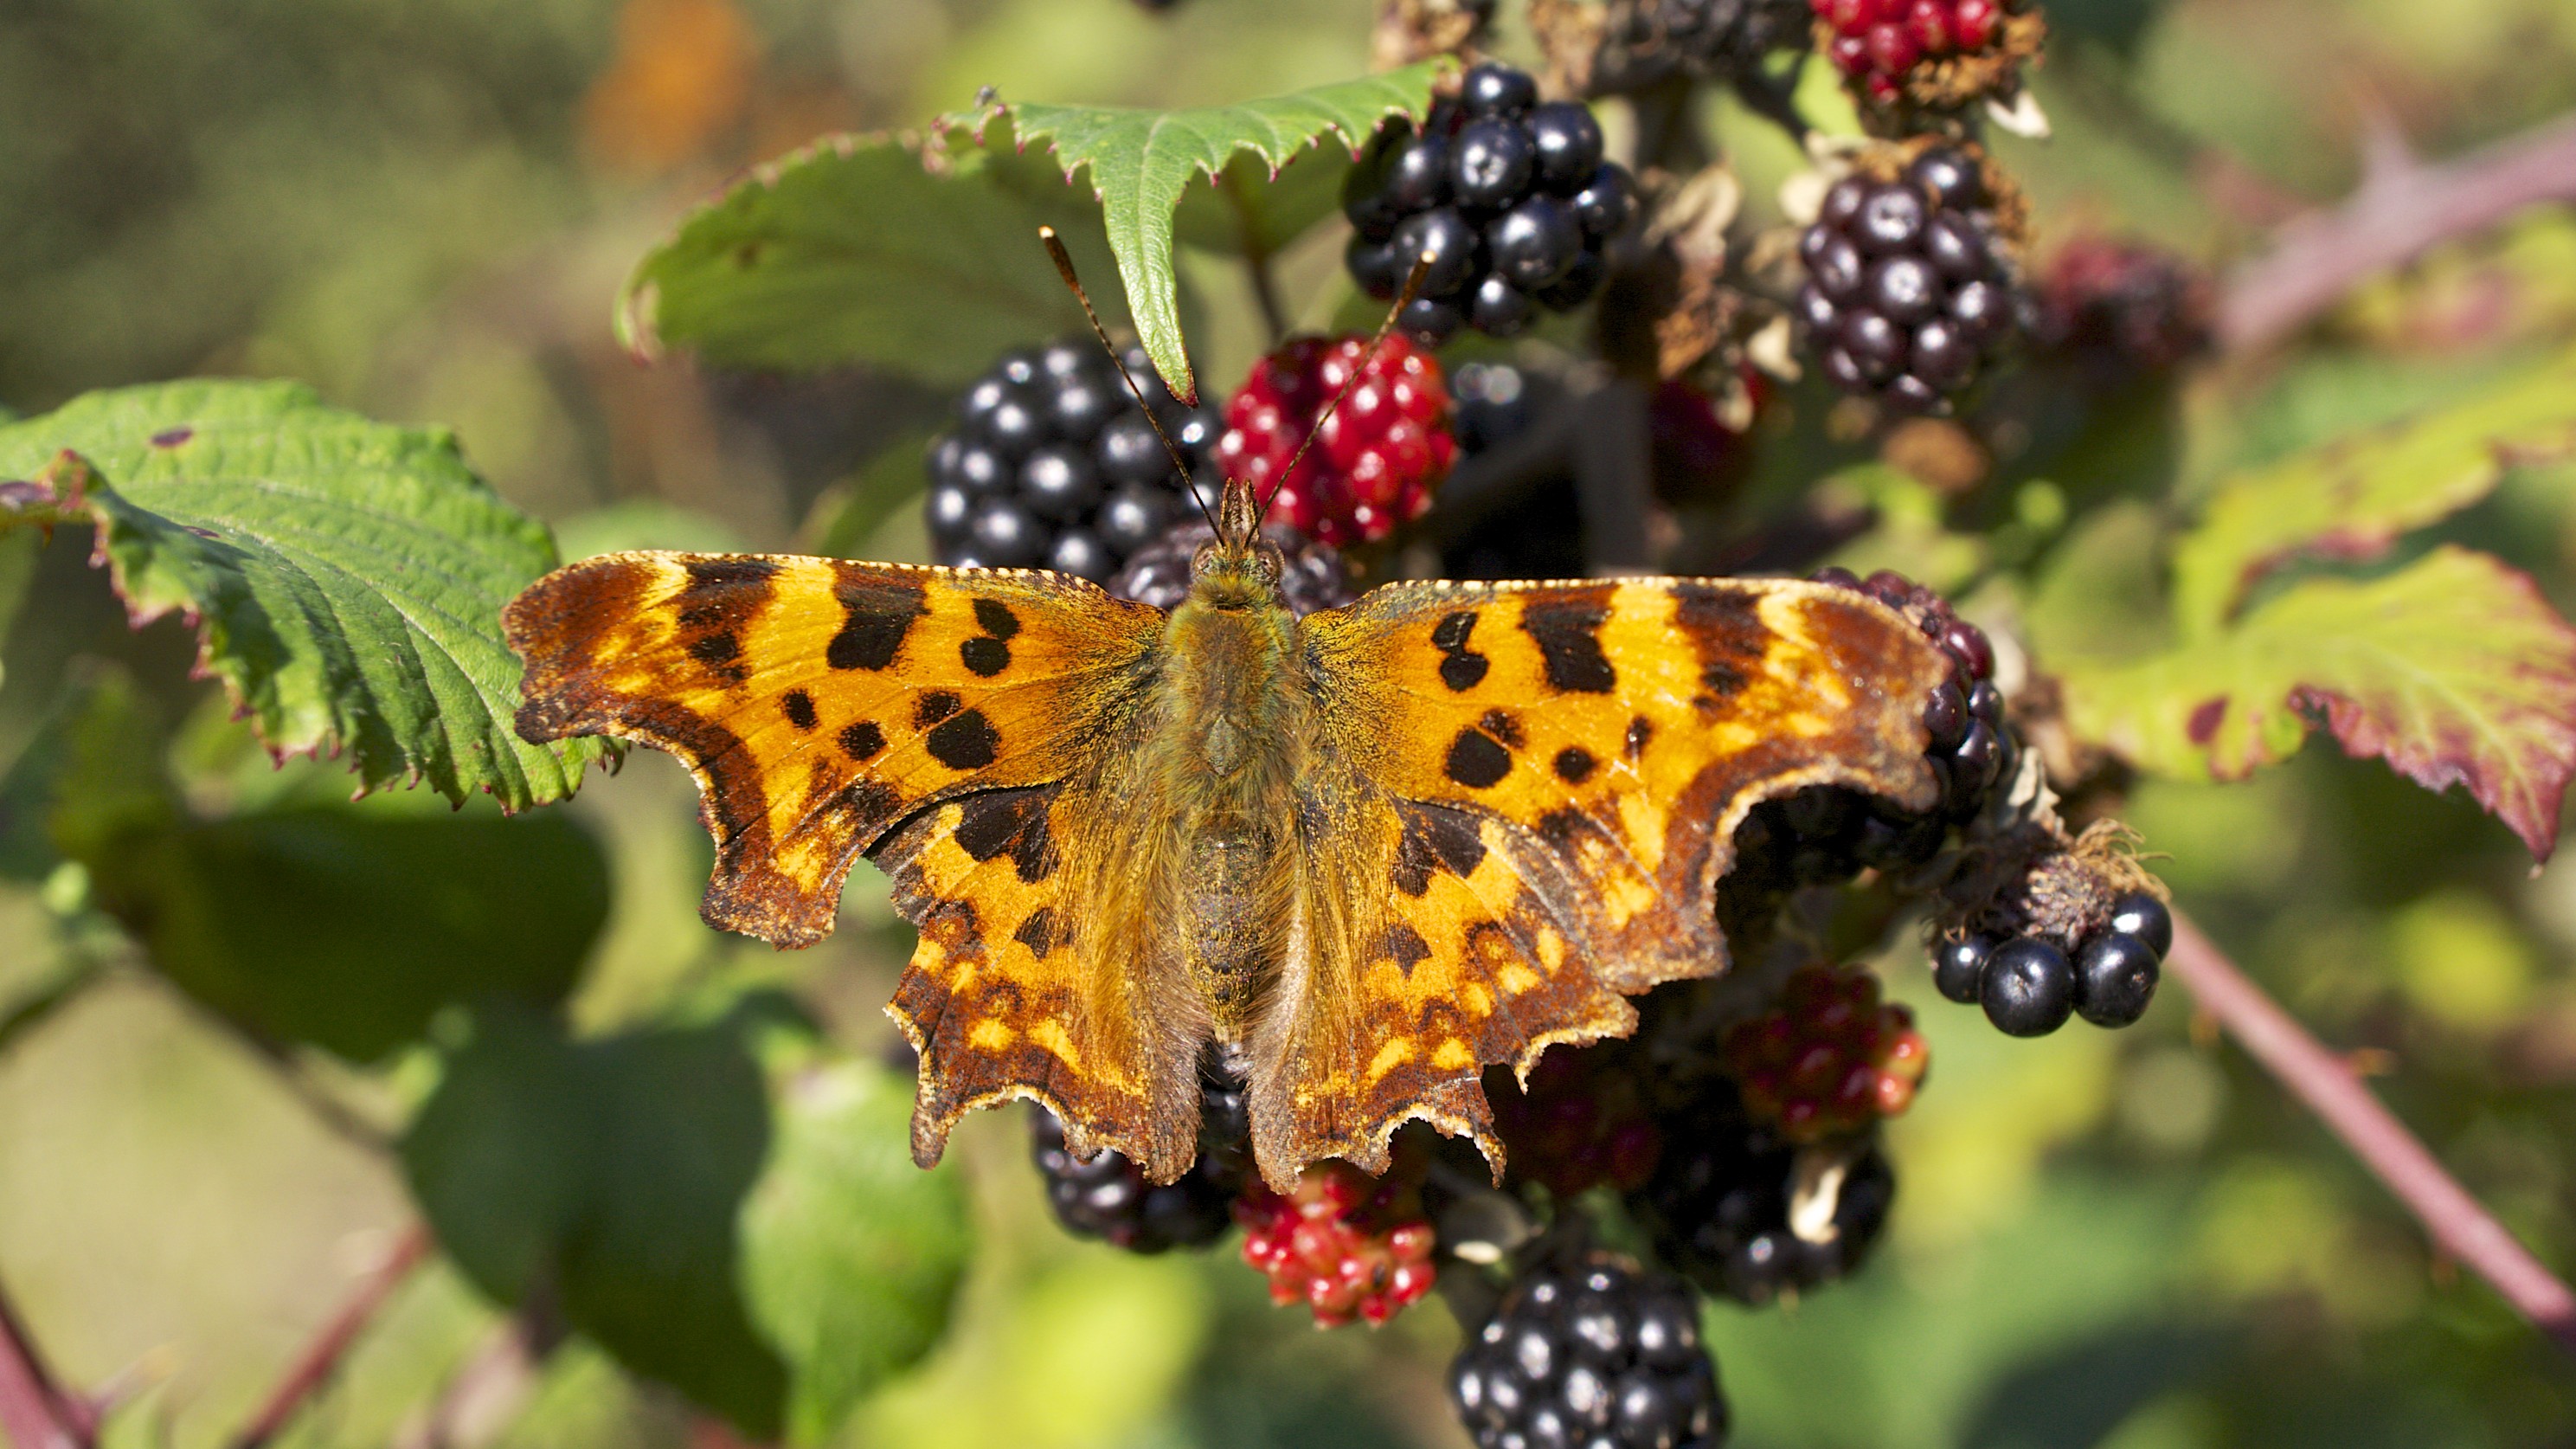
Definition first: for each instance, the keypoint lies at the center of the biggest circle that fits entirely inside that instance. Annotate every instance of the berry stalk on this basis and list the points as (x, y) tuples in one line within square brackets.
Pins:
[(2331, 1089)]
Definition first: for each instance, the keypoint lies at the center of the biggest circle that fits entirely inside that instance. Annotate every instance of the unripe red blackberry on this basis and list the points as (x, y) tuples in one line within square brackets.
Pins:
[(1052, 464), (1509, 197), (2120, 312), (1373, 463), (1347, 1245), (1159, 574), (1741, 1211), (1830, 1059), (1604, 1355), (1580, 1122), (1909, 289), (1932, 53)]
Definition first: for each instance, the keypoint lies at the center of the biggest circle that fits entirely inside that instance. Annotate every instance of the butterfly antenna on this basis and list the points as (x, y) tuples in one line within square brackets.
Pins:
[(1368, 354), (1064, 269)]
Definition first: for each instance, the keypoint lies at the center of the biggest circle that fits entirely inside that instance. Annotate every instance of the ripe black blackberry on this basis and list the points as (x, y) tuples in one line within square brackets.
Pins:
[(1109, 1198), (1726, 39), (1510, 199), (1159, 573), (1605, 1356), (2029, 985), (1721, 1203), (1908, 289), (1053, 465)]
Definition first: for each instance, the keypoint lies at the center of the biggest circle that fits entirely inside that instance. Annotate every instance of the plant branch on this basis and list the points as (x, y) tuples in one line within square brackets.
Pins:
[(2402, 208), (2330, 1088), (34, 1414), (313, 1369), (1256, 259)]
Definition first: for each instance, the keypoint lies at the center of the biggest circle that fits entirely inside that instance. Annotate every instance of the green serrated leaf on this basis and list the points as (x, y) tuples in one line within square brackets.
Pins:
[(1142, 160), (2354, 497), (2453, 669), (347, 576), (915, 257), (851, 1254)]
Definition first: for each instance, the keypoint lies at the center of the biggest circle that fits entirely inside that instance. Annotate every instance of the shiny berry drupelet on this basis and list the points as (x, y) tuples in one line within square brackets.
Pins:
[(1110, 1199), (1510, 199), (1725, 1209), (1603, 1355), (1376, 458), (1347, 1245), (1053, 465), (1159, 573), (1908, 290)]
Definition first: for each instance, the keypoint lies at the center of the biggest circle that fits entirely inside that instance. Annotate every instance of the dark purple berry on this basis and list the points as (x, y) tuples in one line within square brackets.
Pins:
[(1943, 356), (1568, 140), (1967, 643), (1455, 249), (980, 469), (1837, 268), (1534, 243), (1984, 309), (1951, 178), (1578, 284), (949, 509), (2143, 916), (1844, 372), (1842, 203), (1016, 425), (1959, 967), (2029, 987), (1494, 90), (1419, 179), (1377, 266), (1956, 247), (1902, 288), (1005, 535), (1607, 203), (1078, 553), (1877, 344), (1946, 716), (2115, 978), (1135, 516), (1491, 165), (1059, 482), (1497, 308), (1081, 402), (1431, 320), (1128, 451), (1891, 220), (1816, 309)]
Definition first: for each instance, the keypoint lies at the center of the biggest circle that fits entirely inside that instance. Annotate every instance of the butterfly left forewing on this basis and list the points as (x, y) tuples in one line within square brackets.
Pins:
[(1520, 801)]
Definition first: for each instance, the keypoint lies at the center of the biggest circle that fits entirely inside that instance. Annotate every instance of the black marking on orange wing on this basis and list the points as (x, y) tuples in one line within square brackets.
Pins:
[(1505, 729), (1477, 760), (1038, 932), (996, 618), (1640, 730), (861, 741), (1012, 820), (1568, 635), (721, 588), (878, 615), (1560, 827), (1574, 764), (984, 656), (716, 648), (872, 799), (933, 707), (800, 709), (965, 742), (1434, 839), (1404, 946), (1725, 627), (1461, 668)]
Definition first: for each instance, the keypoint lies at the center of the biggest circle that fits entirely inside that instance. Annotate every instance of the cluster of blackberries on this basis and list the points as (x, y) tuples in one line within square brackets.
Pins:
[(2029, 986), (1053, 465), (1604, 1356), (1159, 573), (1109, 1198), (1724, 1204), (1908, 286), (1723, 38), (1510, 199)]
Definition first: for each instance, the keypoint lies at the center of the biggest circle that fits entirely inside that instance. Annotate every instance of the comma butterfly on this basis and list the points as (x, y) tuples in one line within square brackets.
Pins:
[(1364, 853)]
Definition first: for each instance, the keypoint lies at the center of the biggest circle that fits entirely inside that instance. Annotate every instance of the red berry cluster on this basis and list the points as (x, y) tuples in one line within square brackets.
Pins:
[(1378, 456), (1831, 1058), (1875, 42), (1346, 1244), (1579, 1123)]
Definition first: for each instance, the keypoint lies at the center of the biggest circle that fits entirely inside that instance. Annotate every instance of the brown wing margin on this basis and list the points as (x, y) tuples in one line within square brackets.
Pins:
[(1548, 780)]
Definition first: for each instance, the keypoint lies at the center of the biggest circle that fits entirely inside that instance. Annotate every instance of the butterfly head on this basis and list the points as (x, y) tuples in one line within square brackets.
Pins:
[(1240, 568)]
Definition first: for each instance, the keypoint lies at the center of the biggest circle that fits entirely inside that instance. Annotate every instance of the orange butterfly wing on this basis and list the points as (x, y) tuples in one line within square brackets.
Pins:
[(821, 705), (1520, 800)]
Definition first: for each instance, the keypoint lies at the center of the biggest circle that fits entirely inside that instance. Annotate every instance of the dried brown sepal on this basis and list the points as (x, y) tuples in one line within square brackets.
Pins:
[(2021, 871), (1411, 31), (1575, 38), (1673, 305)]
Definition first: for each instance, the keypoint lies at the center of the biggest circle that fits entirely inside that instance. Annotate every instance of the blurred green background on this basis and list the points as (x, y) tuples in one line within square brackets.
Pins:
[(424, 208)]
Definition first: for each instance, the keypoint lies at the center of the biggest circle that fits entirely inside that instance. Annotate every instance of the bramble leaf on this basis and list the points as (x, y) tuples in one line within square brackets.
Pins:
[(2355, 496), (1141, 161), (347, 576), (916, 256), (2453, 669)]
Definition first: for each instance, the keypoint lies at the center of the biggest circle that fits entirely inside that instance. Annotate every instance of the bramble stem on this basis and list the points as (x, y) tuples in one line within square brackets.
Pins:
[(33, 1412), (2402, 209), (2329, 1087), (313, 1368)]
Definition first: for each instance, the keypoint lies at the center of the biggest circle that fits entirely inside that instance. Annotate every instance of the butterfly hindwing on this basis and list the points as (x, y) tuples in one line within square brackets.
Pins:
[(1521, 801)]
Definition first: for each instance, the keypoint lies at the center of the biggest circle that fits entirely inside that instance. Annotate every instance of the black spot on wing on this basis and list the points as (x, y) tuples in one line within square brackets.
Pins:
[(877, 616), (1434, 840), (1038, 932), (717, 648), (1012, 820), (1477, 760), (933, 707), (1505, 729), (1725, 628), (800, 709), (1404, 946), (722, 589), (1640, 730), (1574, 764), (1461, 668), (965, 742), (862, 740), (996, 618), (983, 656), (1568, 635), (1561, 827)]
